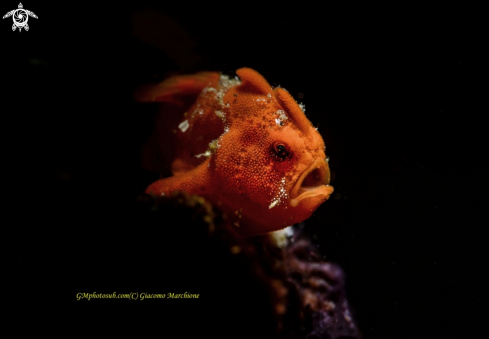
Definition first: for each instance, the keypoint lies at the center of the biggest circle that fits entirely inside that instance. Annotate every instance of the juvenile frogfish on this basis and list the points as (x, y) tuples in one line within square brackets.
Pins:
[(245, 146)]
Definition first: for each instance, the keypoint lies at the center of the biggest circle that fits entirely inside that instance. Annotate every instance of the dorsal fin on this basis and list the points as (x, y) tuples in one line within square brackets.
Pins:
[(293, 110), (171, 89), (253, 82)]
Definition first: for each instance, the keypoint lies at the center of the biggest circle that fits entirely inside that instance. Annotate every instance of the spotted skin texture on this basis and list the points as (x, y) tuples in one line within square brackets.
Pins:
[(244, 146)]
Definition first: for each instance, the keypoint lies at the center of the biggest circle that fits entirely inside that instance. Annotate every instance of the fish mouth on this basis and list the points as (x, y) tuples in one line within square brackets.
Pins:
[(313, 182)]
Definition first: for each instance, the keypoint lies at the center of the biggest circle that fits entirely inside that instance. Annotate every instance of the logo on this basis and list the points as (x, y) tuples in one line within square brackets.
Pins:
[(20, 17)]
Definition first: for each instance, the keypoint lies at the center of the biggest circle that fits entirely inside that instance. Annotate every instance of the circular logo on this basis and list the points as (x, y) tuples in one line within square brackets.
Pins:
[(20, 17)]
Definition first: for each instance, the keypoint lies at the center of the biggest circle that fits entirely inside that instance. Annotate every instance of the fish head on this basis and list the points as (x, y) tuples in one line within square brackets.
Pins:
[(270, 162)]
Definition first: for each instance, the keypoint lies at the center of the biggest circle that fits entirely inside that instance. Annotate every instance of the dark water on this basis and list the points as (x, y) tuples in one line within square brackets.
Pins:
[(400, 95)]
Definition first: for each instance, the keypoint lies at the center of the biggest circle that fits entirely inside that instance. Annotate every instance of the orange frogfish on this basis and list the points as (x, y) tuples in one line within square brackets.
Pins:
[(243, 145)]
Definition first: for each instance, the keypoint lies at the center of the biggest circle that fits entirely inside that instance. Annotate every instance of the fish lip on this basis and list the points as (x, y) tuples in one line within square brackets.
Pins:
[(300, 192)]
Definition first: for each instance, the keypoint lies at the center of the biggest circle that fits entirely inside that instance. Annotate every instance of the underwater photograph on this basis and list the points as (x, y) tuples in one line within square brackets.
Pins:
[(239, 170)]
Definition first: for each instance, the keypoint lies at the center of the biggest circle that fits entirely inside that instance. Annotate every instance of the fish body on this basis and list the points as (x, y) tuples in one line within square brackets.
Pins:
[(246, 147)]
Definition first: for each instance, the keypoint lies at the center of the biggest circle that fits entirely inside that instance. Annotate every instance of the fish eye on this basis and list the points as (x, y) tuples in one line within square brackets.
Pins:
[(281, 150)]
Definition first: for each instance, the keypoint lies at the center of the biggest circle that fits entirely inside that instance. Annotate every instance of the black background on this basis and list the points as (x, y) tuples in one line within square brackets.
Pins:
[(400, 95)]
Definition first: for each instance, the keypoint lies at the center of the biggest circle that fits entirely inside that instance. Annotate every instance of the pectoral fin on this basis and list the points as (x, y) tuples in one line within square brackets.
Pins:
[(198, 180)]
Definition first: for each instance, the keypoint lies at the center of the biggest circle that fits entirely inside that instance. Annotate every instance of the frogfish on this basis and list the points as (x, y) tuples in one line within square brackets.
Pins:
[(241, 144)]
